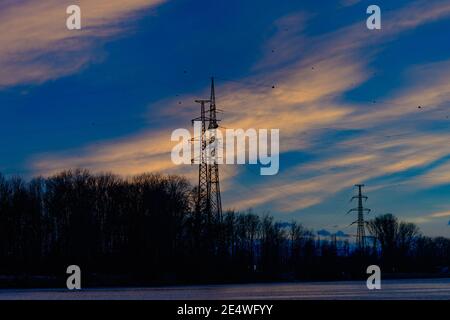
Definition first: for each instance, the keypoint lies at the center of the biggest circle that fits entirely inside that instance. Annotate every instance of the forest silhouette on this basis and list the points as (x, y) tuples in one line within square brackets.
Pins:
[(145, 230)]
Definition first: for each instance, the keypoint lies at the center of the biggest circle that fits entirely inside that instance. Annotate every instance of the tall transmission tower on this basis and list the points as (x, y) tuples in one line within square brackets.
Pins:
[(361, 233), (208, 197)]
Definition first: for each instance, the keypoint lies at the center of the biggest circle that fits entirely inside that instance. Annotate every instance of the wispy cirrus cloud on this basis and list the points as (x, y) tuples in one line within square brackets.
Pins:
[(348, 3), (441, 215), (144, 152), (36, 46)]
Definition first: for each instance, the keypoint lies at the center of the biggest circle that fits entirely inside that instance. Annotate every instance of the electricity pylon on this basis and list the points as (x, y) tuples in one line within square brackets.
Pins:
[(208, 194), (361, 233)]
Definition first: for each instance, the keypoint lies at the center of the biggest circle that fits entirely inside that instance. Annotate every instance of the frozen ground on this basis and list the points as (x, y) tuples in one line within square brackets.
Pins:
[(391, 289)]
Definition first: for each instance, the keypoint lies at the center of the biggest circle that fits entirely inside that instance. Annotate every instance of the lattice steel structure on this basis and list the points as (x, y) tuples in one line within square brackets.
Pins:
[(208, 197), (361, 231)]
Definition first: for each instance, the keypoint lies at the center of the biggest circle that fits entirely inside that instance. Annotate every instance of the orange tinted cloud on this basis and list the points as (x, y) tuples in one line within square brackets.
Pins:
[(36, 46)]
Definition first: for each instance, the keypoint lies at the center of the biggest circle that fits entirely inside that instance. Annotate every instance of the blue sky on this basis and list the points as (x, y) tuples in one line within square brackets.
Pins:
[(346, 99)]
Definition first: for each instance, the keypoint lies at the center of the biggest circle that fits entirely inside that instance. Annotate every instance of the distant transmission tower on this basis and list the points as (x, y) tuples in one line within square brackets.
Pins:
[(208, 197), (361, 233)]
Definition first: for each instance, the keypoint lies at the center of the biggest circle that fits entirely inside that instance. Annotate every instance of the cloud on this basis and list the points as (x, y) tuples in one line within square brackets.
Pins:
[(285, 224), (348, 3), (437, 176), (324, 233), (430, 217), (149, 151), (342, 234), (36, 46), (145, 152), (440, 214)]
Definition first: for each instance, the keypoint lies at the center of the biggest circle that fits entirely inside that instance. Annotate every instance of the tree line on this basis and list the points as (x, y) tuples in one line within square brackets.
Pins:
[(145, 230)]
